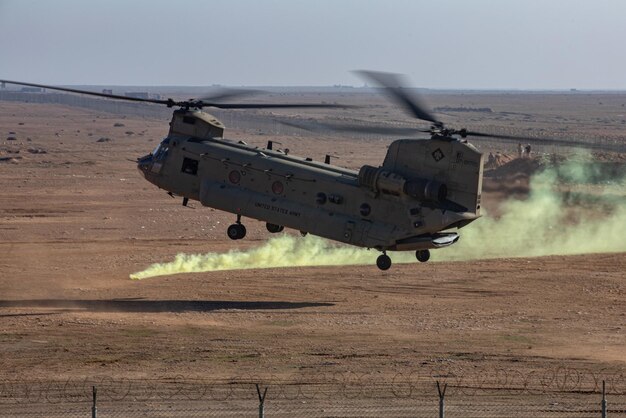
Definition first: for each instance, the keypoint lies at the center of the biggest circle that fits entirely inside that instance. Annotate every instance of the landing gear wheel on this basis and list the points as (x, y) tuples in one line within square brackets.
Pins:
[(383, 262), (422, 255), (273, 228), (236, 231)]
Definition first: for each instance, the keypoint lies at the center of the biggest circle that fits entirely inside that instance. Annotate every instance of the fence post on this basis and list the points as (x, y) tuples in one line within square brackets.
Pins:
[(261, 400), (442, 395), (94, 408), (603, 399)]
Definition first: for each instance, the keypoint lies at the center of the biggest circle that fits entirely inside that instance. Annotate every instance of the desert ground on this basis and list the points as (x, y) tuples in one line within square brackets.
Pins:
[(77, 218)]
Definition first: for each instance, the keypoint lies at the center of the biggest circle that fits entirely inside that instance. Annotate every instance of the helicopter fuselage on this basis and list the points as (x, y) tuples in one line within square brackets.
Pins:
[(398, 206)]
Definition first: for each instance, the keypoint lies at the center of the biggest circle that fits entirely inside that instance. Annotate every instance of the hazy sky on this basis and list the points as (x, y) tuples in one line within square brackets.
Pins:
[(523, 44)]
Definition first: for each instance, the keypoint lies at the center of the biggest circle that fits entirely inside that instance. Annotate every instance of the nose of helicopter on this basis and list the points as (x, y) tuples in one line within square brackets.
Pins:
[(144, 163)]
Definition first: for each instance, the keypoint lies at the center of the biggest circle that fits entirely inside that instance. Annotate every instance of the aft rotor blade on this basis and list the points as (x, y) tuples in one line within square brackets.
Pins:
[(397, 87), (375, 130), (549, 141), (225, 94), (90, 93)]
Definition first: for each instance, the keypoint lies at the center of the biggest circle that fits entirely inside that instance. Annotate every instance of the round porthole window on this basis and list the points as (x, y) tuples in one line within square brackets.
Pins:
[(234, 177), (365, 209), (277, 187), (320, 199)]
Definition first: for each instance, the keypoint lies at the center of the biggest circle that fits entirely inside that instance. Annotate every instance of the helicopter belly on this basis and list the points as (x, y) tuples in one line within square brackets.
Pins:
[(291, 214), (255, 205)]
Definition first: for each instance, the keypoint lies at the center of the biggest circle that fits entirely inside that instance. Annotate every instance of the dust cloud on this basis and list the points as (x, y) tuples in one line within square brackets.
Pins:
[(573, 208)]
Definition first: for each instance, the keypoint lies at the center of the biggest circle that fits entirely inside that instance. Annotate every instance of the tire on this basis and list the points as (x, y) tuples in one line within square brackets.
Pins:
[(422, 255), (273, 228), (236, 231), (242, 231), (383, 262), (233, 232)]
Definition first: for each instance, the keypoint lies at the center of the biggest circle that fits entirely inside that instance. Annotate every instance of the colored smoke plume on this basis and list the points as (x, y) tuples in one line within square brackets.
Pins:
[(574, 208)]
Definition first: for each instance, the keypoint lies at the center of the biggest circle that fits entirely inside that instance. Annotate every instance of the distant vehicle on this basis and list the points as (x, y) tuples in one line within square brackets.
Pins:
[(12, 136)]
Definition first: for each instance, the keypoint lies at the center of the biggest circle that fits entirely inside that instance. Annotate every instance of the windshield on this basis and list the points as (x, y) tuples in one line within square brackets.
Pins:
[(161, 150)]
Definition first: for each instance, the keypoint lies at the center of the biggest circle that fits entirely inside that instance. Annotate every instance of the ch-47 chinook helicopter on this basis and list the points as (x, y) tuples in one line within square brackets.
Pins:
[(424, 189)]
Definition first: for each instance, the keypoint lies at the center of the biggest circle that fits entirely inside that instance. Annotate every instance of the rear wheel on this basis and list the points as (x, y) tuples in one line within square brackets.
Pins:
[(273, 228), (422, 255), (383, 262)]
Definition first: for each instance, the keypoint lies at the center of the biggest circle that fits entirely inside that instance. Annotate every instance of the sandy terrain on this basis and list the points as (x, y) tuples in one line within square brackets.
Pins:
[(76, 220)]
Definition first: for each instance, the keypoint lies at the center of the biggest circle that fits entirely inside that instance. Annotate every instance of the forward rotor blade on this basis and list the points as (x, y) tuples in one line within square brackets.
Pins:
[(186, 103), (90, 93), (397, 87), (271, 105)]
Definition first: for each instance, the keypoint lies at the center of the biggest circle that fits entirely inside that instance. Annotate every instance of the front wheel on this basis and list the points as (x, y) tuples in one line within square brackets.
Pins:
[(236, 231)]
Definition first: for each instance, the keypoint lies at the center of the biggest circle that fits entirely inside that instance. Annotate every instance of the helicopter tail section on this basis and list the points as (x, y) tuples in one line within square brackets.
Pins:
[(442, 162)]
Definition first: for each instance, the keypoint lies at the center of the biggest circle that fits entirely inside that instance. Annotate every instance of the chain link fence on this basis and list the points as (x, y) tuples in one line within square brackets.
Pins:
[(558, 393)]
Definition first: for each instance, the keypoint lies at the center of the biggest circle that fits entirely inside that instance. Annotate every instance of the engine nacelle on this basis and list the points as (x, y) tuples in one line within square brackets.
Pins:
[(383, 181), (423, 189)]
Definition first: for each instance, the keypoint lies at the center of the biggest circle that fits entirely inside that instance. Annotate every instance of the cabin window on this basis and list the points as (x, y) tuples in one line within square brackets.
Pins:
[(190, 166), (189, 120), (336, 199), (365, 209), (277, 187), (234, 176)]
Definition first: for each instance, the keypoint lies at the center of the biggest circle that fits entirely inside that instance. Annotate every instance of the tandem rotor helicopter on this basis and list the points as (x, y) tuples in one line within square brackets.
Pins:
[(424, 189)]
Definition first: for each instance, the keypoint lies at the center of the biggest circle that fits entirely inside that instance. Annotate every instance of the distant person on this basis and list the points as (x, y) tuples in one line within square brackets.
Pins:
[(520, 150), (527, 150), (492, 160)]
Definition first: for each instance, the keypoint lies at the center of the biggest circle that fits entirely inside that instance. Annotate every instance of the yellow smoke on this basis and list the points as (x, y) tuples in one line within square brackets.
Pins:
[(586, 218), (571, 209)]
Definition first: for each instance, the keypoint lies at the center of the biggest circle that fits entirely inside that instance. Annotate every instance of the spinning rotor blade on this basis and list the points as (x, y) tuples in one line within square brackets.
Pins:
[(545, 141), (378, 130), (269, 105), (187, 103), (396, 86), (90, 93), (375, 130), (225, 94), (324, 128)]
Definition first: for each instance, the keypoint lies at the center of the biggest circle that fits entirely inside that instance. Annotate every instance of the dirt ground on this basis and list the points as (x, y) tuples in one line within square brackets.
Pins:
[(77, 219)]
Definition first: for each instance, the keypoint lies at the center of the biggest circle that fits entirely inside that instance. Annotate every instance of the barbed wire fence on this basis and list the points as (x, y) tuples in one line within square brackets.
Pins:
[(498, 393)]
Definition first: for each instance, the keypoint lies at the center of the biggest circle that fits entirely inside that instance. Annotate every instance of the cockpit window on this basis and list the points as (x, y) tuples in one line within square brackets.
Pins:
[(160, 152), (163, 143)]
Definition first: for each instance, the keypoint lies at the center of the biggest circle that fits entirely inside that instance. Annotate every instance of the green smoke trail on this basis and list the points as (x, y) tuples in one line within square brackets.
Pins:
[(588, 217), (283, 251)]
